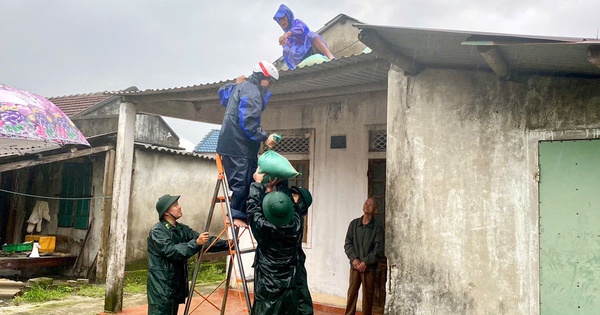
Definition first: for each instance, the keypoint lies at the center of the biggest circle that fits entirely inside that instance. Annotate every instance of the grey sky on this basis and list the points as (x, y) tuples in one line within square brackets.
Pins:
[(63, 47)]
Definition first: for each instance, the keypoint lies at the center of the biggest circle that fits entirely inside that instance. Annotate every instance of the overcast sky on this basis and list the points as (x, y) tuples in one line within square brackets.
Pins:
[(63, 47)]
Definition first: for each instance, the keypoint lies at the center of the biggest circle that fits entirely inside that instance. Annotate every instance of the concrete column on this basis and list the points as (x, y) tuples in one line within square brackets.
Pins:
[(113, 301), (397, 157), (107, 189)]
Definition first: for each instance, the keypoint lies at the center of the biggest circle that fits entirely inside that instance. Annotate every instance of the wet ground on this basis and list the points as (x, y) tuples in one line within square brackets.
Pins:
[(136, 304)]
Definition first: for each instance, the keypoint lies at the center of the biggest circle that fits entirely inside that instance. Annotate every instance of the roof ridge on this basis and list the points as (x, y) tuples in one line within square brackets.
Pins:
[(82, 95)]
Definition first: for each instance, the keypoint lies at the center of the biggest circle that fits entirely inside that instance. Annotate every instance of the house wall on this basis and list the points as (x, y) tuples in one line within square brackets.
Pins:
[(338, 179), (158, 173), (148, 128), (462, 203), (342, 39)]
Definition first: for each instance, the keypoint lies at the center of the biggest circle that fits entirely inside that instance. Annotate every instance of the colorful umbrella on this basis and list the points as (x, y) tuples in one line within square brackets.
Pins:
[(29, 123)]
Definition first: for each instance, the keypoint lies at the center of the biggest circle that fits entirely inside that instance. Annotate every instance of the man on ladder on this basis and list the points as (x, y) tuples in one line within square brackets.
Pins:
[(241, 133)]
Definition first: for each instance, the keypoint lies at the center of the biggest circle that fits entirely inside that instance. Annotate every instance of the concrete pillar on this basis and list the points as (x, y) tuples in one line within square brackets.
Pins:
[(397, 157), (113, 301), (107, 189)]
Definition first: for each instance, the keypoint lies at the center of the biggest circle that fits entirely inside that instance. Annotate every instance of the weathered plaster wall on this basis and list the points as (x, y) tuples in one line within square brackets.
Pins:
[(155, 174), (342, 39), (338, 178), (462, 234), (148, 128)]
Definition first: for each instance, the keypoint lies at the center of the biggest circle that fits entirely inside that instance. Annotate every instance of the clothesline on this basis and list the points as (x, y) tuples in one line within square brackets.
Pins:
[(53, 198)]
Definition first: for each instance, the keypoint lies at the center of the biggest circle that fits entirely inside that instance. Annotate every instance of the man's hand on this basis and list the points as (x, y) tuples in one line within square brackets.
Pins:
[(240, 79), (258, 177), (271, 184), (362, 267), (284, 38), (202, 239), (355, 264), (270, 142)]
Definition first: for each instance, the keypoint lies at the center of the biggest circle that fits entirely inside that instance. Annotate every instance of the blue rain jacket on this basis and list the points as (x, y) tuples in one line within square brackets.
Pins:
[(299, 45), (241, 133)]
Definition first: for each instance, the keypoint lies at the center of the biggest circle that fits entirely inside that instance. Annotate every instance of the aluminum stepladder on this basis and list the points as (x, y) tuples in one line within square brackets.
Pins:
[(222, 186)]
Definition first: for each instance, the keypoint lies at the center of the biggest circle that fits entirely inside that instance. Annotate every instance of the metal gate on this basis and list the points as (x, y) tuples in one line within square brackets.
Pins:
[(569, 227)]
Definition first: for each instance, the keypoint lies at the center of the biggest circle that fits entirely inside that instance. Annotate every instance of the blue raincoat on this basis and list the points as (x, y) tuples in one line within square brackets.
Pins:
[(298, 46), (241, 135)]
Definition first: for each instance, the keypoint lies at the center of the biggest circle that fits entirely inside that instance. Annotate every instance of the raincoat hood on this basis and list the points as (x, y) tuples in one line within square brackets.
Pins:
[(284, 11)]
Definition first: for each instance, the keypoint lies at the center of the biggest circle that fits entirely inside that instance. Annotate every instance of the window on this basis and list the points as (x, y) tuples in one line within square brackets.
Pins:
[(377, 140), (296, 146), (76, 183), (292, 143)]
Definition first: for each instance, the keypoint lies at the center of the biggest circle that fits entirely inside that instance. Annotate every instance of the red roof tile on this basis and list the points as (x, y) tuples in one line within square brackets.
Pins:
[(72, 105)]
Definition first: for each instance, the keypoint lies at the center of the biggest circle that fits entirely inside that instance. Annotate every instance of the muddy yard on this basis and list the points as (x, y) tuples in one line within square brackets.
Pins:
[(76, 305)]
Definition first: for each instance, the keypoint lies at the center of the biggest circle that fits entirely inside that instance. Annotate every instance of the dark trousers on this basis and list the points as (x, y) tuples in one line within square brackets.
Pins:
[(163, 309), (304, 299), (367, 279), (239, 173)]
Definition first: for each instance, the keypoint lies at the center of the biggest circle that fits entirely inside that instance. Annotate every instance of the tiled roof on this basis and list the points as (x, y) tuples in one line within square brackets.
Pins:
[(209, 143), (72, 105)]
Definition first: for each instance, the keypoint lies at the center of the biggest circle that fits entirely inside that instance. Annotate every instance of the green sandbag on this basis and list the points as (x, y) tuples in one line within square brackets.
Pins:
[(274, 165), (312, 60)]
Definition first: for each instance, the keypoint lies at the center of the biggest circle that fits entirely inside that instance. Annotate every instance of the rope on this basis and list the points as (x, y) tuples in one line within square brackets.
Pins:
[(53, 198)]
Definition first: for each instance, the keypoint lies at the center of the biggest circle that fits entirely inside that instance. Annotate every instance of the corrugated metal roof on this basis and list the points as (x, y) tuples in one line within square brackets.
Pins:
[(209, 143), (358, 69), (172, 151), (532, 54), (9, 288)]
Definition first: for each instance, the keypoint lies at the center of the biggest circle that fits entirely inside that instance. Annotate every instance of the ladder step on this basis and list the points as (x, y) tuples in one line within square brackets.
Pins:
[(244, 251), (248, 279), (222, 198)]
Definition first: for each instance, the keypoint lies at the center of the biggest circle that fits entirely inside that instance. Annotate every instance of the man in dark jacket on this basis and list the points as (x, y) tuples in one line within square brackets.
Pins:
[(277, 229), (364, 247), (170, 244), (241, 133)]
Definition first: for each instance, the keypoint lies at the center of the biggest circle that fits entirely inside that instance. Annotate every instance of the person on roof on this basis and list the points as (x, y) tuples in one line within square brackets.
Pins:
[(241, 133), (298, 41)]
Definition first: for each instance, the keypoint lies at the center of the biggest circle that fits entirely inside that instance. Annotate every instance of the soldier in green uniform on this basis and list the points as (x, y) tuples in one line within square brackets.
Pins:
[(170, 245)]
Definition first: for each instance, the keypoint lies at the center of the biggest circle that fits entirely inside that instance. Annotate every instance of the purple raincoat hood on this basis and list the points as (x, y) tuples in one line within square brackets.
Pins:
[(284, 11)]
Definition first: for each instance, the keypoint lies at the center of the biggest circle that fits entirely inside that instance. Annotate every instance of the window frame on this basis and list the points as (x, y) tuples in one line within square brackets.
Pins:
[(76, 182), (304, 158)]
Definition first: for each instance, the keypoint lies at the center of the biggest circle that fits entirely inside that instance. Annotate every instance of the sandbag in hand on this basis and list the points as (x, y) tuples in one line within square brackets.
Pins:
[(274, 165)]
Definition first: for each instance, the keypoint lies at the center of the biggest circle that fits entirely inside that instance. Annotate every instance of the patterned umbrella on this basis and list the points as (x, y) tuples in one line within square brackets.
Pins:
[(29, 123)]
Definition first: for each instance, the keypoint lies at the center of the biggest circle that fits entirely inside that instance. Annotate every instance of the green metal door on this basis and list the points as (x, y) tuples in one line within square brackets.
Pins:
[(570, 227)]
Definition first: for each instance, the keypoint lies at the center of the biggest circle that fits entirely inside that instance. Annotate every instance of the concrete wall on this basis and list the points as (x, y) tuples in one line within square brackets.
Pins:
[(462, 204), (158, 173), (338, 179), (148, 128), (342, 39)]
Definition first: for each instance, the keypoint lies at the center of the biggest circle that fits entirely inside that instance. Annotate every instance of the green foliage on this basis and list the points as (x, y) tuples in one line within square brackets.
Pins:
[(40, 294), (134, 283), (90, 290), (210, 271)]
